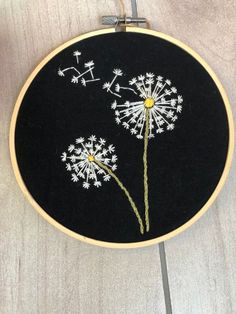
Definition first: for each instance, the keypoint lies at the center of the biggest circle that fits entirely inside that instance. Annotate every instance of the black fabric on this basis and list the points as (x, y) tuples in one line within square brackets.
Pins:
[(185, 165)]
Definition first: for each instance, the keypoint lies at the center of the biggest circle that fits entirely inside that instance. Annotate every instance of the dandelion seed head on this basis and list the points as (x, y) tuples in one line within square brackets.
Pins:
[(152, 93), (84, 158)]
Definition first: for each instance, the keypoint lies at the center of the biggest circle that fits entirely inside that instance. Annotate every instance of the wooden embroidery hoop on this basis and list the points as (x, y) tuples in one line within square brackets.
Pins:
[(111, 244)]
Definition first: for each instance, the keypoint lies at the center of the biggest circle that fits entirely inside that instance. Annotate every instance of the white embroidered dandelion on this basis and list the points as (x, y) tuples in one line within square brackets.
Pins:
[(157, 96), (83, 160), (92, 162), (155, 111)]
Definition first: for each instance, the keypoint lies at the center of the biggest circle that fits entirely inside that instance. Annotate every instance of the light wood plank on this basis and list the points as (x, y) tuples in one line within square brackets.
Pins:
[(201, 261), (41, 269)]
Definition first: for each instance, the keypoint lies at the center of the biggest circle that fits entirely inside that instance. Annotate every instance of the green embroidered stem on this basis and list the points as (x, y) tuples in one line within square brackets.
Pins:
[(136, 212), (145, 171)]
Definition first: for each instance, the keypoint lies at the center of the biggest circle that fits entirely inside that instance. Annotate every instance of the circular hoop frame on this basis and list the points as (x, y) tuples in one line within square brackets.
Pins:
[(111, 244)]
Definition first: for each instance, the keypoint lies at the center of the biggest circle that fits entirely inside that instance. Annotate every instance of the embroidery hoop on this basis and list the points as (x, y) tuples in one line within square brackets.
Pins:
[(73, 234)]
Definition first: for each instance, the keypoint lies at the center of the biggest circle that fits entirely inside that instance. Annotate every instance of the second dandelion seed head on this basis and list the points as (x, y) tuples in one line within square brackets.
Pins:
[(90, 160)]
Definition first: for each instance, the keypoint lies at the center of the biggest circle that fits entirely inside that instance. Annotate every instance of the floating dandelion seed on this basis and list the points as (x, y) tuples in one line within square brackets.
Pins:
[(60, 72), (118, 72), (80, 76), (74, 80), (108, 85), (92, 161), (89, 64), (77, 54)]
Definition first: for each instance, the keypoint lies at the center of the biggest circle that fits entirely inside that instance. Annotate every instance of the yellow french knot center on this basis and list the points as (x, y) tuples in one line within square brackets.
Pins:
[(91, 158), (149, 103)]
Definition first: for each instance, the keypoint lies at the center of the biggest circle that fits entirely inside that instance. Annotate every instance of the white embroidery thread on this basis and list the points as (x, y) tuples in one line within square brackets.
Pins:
[(89, 161), (79, 159), (84, 76), (154, 109), (158, 96), (108, 85)]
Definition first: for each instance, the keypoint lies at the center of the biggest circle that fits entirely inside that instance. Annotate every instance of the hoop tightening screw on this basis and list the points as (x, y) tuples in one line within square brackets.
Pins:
[(116, 20)]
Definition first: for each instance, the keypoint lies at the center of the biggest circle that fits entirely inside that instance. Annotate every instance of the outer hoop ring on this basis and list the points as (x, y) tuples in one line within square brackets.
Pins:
[(111, 244)]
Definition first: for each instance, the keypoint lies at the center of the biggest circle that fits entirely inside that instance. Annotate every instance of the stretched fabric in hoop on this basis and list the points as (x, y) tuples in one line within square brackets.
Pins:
[(170, 176)]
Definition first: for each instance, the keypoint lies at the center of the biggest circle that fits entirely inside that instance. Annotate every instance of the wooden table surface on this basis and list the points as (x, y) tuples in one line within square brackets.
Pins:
[(45, 271)]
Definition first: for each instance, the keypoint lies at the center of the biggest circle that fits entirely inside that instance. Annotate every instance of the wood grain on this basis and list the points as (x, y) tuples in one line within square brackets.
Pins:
[(201, 261), (45, 271), (41, 269)]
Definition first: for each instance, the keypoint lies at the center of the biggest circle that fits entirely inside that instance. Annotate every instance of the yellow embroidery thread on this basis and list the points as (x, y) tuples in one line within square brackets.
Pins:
[(91, 158), (132, 203), (145, 165), (149, 103)]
